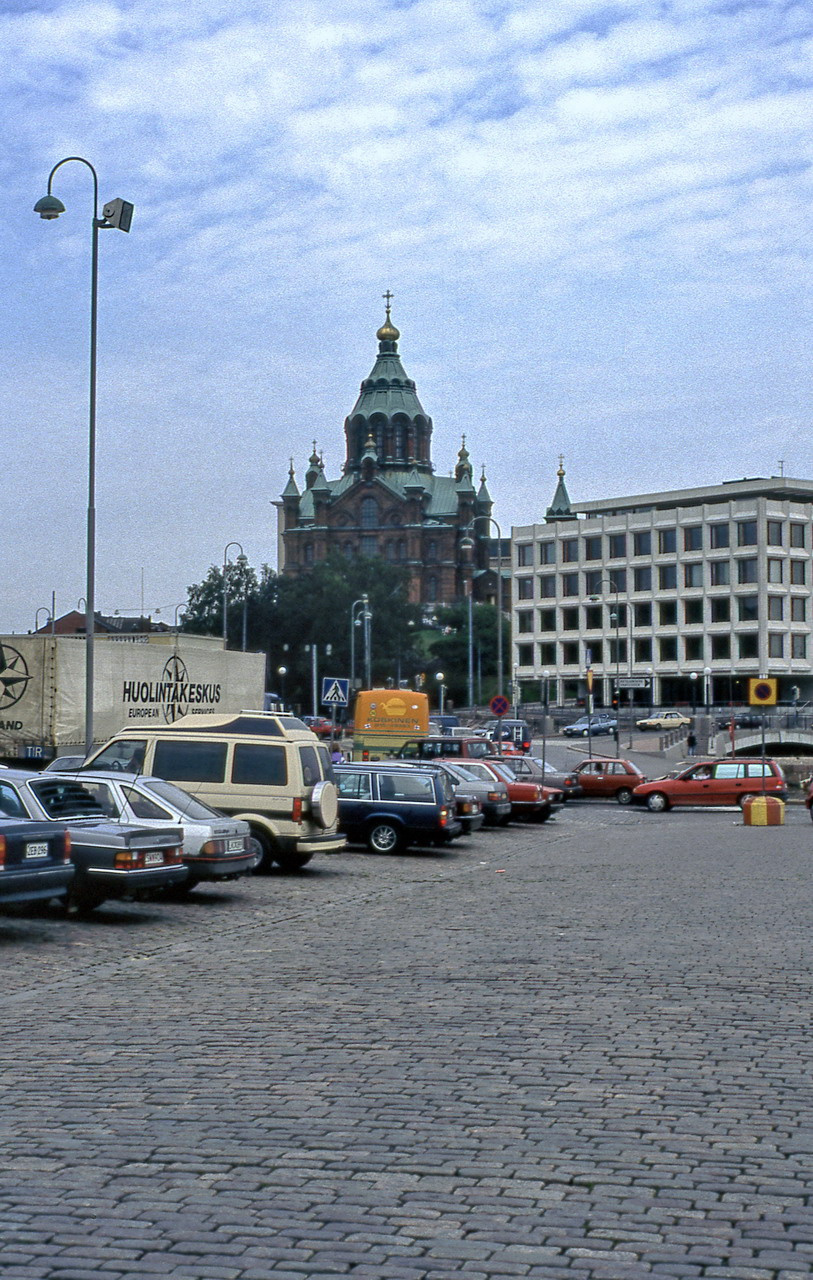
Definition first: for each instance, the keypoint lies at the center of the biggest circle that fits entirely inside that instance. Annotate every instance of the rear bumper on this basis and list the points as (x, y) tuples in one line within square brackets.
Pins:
[(126, 883), (28, 885), (221, 868), (471, 822)]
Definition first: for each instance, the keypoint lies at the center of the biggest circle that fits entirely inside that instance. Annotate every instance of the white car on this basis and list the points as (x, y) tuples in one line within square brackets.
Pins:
[(664, 720), (215, 847)]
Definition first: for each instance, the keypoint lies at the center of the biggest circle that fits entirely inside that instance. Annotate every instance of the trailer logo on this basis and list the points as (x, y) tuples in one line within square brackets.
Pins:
[(173, 695), (14, 676)]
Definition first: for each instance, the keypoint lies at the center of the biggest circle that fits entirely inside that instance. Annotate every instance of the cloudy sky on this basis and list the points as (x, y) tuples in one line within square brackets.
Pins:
[(595, 219)]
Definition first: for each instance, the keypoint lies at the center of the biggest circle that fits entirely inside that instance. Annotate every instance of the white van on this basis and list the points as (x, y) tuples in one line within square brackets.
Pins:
[(267, 769)]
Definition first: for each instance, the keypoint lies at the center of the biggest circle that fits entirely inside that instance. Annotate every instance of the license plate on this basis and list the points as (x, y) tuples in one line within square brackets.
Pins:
[(39, 850), (234, 846), (153, 859)]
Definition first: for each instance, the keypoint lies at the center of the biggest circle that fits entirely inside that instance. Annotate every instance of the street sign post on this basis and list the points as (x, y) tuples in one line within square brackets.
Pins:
[(633, 682), (499, 705), (335, 691)]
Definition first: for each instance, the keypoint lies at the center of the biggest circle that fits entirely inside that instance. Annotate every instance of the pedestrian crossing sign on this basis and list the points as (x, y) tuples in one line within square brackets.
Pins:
[(335, 692)]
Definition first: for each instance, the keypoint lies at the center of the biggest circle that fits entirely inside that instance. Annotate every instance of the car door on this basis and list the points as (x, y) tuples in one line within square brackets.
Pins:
[(694, 786), (728, 782), (355, 790)]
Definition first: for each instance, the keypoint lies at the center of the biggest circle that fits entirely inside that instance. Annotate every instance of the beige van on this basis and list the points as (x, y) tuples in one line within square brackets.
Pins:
[(266, 768)]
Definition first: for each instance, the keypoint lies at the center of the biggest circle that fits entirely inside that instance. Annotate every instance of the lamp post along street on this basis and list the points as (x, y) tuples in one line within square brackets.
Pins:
[(226, 589), (467, 531), (545, 697), (117, 214)]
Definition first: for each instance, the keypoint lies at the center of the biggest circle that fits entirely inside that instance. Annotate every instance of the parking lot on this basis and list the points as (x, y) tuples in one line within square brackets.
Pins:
[(580, 1049)]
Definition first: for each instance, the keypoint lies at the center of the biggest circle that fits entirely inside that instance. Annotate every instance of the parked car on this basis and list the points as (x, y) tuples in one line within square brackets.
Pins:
[(529, 801), (64, 764), (530, 768), (35, 860), (111, 859), (664, 720), (713, 782), (214, 847), (491, 793), (265, 768), (320, 725), (517, 732), (809, 797), (443, 724), (436, 748), (748, 719), (389, 805), (591, 725), (609, 779)]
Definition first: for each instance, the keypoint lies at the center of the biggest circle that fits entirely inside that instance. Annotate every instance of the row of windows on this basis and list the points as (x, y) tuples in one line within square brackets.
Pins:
[(693, 613), (665, 577), (745, 534), (568, 653)]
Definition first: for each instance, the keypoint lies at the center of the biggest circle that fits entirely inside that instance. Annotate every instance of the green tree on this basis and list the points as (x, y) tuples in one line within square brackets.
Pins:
[(448, 650)]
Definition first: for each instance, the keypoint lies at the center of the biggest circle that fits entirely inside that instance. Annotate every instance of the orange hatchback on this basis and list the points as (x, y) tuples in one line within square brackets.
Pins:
[(608, 779), (729, 781)]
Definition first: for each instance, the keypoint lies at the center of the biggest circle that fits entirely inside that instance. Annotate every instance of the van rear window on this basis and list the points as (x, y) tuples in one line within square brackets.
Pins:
[(258, 764), (190, 761)]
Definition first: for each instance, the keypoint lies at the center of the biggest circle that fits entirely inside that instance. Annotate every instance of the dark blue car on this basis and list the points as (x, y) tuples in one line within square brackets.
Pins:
[(35, 860), (388, 805)]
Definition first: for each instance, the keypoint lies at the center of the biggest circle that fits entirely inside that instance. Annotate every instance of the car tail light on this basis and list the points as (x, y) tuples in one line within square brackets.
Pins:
[(2, 852), (296, 809), (66, 848), (443, 817), (128, 859), (174, 855), (213, 847)]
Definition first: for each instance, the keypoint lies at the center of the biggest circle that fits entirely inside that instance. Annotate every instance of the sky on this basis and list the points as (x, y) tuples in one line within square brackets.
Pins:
[(595, 219)]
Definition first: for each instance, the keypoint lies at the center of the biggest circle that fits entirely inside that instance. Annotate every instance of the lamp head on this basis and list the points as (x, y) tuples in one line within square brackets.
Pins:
[(49, 207)]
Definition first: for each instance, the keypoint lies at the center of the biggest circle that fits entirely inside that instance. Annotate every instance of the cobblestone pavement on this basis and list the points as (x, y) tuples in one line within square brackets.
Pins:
[(580, 1050)]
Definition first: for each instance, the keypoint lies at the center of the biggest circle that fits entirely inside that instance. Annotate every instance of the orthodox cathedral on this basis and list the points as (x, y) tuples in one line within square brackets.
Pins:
[(389, 501)]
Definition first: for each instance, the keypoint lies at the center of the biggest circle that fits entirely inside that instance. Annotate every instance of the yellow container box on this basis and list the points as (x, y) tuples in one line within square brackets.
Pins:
[(764, 811)]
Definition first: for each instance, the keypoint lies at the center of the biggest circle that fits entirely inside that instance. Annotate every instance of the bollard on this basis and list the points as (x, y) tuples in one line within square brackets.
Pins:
[(763, 811)]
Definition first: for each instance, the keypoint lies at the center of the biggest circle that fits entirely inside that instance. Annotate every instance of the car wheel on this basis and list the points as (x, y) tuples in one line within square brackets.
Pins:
[(383, 838), (624, 796), (657, 802)]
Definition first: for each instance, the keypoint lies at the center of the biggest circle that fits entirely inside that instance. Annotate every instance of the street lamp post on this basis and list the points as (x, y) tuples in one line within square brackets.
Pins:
[(707, 683), (226, 587), (282, 673), (440, 677), (545, 697), (118, 213), (354, 622), (48, 616), (469, 527), (615, 619), (693, 679)]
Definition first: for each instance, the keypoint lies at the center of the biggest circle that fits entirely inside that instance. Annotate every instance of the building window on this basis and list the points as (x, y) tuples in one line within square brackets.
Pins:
[(748, 645), (798, 646), (525, 620), (547, 653), (570, 584), (618, 578), (525, 554), (667, 647), (432, 551), (592, 582), (642, 578), (618, 546), (570, 550), (693, 575), (431, 589), (693, 538), (721, 609), (570, 618), (797, 573), (720, 572), (719, 536), (775, 533), (667, 577), (595, 653), (798, 609), (525, 655), (667, 613), (592, 617), (369, 545), (776, 645), (592, 547), (693, 648), (643, 614), (525, 588), (570, 653), (746, 570), (776, 612), (401, 549), (667, 541), (308, 553), (797, 535), (547, 586), (547, 553), (643, 649), (693, 612), (720, 647), (369, 513), (747, 533), (642, 543), (748, 608), (618, 651), (547, 619), (775, 573)]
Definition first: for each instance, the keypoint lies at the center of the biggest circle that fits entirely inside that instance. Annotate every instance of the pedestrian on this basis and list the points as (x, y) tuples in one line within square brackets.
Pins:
[(336, 756), (691, 743)]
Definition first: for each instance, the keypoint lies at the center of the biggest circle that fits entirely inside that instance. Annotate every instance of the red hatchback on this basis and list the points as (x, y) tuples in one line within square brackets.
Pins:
[(609, 779), (529, 801), (729, 781)]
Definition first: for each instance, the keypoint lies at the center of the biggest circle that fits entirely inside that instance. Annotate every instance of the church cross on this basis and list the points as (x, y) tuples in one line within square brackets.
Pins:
[(388, 297)]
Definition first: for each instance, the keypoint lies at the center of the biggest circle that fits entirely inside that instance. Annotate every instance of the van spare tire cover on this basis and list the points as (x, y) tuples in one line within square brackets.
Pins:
[(325, 804)]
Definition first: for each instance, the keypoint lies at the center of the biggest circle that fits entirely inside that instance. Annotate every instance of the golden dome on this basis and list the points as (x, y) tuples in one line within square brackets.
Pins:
[(388, 331)]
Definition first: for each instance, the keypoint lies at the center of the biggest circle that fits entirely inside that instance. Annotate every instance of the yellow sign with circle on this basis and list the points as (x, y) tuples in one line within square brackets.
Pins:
[(762, 693)]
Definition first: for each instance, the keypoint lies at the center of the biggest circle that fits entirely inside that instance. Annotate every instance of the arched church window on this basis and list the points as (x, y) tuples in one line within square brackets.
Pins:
[(369, 513), (401, 549)]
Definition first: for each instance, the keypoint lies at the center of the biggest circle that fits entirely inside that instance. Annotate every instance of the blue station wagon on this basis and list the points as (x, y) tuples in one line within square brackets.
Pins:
[(388, 806)]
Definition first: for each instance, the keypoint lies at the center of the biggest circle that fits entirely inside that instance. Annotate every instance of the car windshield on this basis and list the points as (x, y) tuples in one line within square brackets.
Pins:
[(503, 772), (181, 800), (64, 798)]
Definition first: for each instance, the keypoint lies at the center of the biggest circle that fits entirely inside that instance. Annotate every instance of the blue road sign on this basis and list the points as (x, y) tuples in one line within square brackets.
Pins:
[(335, 692)]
